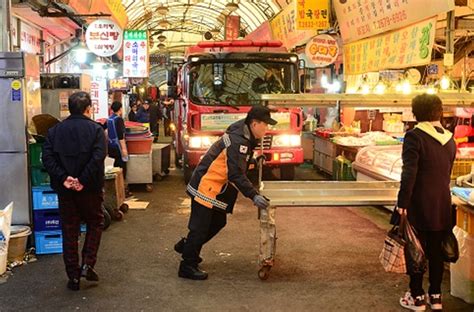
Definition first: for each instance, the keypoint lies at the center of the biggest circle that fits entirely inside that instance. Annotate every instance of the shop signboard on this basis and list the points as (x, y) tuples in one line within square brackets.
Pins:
[(232, 27), (406, 47), (119, 84), (218, 122), (135, 54), (362, 19), (262, 32), (99, 97), (283, 27), (30, 39), (322, 50), (312, 14), (14, 31), (104, 37)]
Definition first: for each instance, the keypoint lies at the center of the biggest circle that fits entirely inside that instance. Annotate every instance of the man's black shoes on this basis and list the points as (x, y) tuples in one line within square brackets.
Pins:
[(89, 273), (179, 247), (191, 272), (73, 284)]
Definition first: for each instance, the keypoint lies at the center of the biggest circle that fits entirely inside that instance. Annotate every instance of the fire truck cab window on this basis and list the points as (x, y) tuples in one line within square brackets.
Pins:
[(213, 83)]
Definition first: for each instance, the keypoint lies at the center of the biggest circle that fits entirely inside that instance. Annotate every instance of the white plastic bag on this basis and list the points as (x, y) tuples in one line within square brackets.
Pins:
[(5, 225)]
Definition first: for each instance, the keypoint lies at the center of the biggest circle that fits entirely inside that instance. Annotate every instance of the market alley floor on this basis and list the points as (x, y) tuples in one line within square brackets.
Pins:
[(327, 260)]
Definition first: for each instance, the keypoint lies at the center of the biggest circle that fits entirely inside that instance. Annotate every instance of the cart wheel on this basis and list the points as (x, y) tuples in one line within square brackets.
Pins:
[(107, 218), (149, 187), (124, 208), (157, 177), (118, 215), (166, 171), (264, 272)]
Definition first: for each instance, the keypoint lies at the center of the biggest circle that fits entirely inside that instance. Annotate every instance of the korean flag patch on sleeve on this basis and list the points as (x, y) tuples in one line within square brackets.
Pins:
[(243, 149)]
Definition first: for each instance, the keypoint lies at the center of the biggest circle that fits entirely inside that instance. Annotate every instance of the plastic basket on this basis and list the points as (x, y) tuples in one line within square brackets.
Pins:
[(47, 220), (39, 176), (49, 242), (461, 167), (44, 198), (36, 150), (139, 146)]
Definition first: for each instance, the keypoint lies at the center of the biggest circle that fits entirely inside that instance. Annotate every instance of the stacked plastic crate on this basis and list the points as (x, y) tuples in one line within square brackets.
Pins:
[(47, 225)]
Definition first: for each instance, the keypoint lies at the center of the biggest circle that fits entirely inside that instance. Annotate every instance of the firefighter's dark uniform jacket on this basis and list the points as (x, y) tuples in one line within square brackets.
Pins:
[(223, 169)]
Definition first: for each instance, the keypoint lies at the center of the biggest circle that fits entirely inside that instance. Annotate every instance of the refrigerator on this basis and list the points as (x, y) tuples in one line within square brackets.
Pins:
[(19, 101)]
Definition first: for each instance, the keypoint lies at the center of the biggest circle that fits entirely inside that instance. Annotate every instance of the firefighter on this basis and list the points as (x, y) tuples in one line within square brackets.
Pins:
[(215, 184)]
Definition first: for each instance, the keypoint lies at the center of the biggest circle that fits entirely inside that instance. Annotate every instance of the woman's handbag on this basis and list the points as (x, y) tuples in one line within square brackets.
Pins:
[(450, 248), (392, 256)]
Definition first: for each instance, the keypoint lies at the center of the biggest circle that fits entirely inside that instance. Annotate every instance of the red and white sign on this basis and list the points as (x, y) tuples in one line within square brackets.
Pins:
[(99, 97), (232, 27), (322, 50), (104, 37), (30, 39)]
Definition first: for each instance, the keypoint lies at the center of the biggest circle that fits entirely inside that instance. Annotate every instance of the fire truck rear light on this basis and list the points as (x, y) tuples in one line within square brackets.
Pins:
[(276, 157)]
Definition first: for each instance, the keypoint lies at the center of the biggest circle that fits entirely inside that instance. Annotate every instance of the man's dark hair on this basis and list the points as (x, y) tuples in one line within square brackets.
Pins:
[(116, 106), (427, 107), (78, 102)]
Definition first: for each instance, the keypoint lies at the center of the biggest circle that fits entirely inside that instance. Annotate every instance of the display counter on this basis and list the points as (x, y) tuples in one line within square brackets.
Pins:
[(379, 163), (324, 154)]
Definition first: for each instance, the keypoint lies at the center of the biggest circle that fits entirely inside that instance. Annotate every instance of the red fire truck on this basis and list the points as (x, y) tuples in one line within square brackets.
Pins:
[(218, 84)]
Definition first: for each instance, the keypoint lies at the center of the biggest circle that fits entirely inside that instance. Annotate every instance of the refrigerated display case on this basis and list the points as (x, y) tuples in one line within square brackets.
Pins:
[(379, 163)]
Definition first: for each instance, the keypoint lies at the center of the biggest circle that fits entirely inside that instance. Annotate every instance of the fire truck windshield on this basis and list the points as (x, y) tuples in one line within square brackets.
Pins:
[(240, 83)]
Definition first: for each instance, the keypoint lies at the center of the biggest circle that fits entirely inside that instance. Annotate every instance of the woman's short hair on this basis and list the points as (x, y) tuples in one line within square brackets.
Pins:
[(427, 107), (78, 102)]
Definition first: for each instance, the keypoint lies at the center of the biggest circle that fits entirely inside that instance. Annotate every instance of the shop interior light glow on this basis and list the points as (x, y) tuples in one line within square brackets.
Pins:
[(431, 90), (406, 87), (445, 82), (380, 88), (324, 81), (80, 52), (111, 72), (365, 88)]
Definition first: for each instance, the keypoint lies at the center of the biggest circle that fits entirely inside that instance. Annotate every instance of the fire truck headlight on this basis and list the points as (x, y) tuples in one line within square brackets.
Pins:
[(286, 140), (202, 141)]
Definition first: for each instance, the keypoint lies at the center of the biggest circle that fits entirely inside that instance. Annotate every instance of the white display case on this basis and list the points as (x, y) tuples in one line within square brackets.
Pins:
[(380, 163)]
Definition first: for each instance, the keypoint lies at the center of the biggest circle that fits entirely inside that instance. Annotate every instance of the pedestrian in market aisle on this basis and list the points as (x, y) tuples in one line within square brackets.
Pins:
[(143, 113), (215, 184), (155, 116), (117, 148), (73, 155), (428, 155), (132, 115), (168, 108)]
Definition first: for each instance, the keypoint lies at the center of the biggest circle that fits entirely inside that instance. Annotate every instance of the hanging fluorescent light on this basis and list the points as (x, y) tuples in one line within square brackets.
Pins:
[(406, 87), (231, 6), (431, 90), (380, 87)]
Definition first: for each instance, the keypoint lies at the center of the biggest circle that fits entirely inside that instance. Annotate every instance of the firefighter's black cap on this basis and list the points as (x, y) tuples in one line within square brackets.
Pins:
[(261, 113)]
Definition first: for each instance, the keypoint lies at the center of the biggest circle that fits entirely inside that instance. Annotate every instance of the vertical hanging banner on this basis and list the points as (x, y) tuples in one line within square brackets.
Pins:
[(361, 19), (99, 97), (283, 27), (104, 37), (406, 47), (312, 14), (232, 27), (135, 54)]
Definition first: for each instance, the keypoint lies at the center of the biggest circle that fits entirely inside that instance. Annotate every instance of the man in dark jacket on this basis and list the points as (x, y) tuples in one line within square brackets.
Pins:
[(73, 155), (215, 184)]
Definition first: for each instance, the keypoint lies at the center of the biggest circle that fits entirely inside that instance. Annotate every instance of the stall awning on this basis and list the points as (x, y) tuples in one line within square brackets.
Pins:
[(362, 100), (113, 7)]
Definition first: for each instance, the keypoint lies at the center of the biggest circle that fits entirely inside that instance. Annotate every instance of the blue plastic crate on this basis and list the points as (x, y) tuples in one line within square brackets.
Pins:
[(44, 198), (47, 220), (48, 242)]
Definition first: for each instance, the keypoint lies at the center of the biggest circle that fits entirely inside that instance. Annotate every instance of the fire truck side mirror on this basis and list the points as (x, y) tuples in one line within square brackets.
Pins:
[(301, 64)]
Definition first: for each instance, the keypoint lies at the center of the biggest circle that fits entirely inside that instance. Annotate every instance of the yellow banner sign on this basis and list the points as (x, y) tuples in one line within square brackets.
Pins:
[(407, 47), (283, 27), (365, 18), (312, 14)]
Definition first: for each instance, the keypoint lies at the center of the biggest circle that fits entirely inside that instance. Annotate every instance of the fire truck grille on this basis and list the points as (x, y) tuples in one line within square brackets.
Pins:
[(267, 143)]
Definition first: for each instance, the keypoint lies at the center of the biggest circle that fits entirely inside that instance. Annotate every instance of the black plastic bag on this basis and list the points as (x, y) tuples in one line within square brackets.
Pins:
[(414, 253), (450, 248)]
